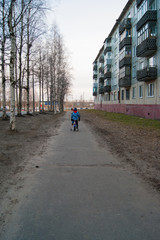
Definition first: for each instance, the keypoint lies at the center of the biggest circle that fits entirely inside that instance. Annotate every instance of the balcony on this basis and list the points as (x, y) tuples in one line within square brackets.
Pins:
[(125, 82), (101, 77), (126, 61), (94, 76), (107, 86), (108, 62), (107, 75), (139, 3), (126, 24), (107, 49), (124, 42), (101, 90), (147, 47), (101, 59), (94, 91), (101, 70), (149, 16), (147, 74), (95, 68), (95, 85)]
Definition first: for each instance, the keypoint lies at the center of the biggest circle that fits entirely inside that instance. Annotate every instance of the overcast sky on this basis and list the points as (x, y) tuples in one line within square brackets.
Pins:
[(84, 25)]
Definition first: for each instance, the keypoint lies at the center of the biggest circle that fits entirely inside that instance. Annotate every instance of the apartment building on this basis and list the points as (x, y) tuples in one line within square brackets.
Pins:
[(126, 71)]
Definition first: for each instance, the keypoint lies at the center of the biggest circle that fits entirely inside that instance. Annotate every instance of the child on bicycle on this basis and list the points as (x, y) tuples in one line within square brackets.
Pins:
[(75, 116)]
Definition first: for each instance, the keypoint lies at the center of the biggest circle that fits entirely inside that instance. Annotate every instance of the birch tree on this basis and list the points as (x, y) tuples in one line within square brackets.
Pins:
[(12, 60), (3, 34)]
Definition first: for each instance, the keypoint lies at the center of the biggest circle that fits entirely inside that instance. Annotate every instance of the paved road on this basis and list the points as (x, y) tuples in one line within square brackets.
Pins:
[(82, 192)]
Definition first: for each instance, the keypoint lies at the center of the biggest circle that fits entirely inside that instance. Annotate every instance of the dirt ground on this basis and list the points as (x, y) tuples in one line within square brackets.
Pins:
[(138, 147), (16, 148)]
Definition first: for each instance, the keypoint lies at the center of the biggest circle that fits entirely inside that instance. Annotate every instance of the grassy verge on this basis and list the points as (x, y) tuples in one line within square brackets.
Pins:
[(127, 119)]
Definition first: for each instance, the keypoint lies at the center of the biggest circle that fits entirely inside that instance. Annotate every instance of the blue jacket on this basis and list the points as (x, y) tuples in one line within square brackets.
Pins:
[(75, 116)]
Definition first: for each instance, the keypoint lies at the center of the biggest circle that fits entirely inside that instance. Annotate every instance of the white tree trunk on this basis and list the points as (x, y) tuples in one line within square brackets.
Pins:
[(12, 60), (3, 62)]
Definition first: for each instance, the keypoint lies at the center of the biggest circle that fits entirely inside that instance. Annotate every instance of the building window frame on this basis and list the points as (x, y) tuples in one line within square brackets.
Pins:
[(134, 92), (122, 92), (127, 94), (140, 91), (150, 90)]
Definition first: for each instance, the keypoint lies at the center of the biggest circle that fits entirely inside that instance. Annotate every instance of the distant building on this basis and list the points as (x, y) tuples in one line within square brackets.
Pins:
[(126, 71)]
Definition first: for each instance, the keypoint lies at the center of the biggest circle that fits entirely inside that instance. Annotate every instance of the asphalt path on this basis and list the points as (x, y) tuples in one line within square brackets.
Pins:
[(80, 191)]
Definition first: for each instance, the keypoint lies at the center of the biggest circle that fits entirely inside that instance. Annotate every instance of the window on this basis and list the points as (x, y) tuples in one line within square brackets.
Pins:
[(125, 72), (129, 15), (140, 91), (141, 65), (134, 72), (134, 92), (109, 54), (125, 52), (115, 51), (122, 94), (150, 90), (127, 94), (115, 36), (134, 51), (134, 31), (152, 62), (122, 72), (152, 4), (142, 9), (135, 10), (115, 66), (108, 97), (146, 31), (126, 33)]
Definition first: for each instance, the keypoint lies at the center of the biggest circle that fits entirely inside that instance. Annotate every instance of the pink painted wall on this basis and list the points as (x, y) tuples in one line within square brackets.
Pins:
[(140, 110)]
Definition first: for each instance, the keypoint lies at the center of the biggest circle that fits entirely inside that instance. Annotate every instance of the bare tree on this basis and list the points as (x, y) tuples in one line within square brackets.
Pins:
[(20, 58), (12, 59), (3, 42)]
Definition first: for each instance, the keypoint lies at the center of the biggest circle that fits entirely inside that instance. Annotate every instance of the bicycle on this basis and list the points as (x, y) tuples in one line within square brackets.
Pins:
[(74, 126)]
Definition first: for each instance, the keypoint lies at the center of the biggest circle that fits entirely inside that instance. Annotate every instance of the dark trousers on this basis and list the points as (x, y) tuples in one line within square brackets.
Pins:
[(76, 122)]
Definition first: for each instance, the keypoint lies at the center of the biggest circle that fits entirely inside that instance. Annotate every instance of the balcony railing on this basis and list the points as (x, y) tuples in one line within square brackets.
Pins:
[(101, 90), (101, 70), (95, 68), (149, 16), (107, 75), (107, 88), (126, 24), (125, 82), (126, 61), (107, 49), (101, 60), (108, 62), (94, 76), (101, 78), (147, 47), (147, 74), (124, 42)]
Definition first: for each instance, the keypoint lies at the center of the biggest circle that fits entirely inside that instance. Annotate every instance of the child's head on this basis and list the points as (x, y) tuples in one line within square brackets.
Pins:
[(75, 110)]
